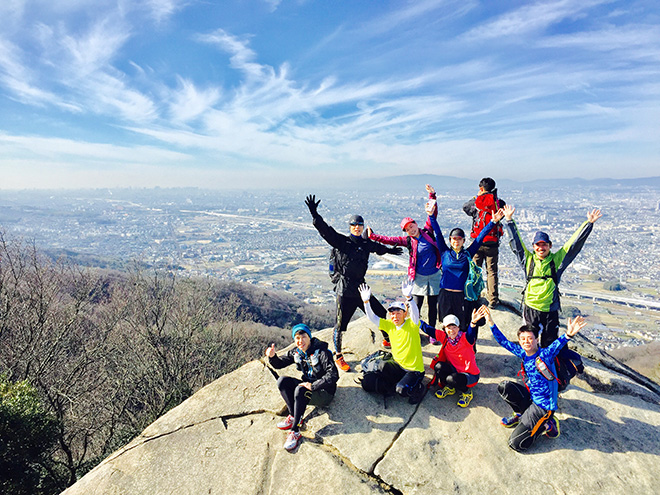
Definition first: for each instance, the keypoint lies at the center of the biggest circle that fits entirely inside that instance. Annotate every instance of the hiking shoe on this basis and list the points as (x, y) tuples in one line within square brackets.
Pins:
[(386, 344), (292, 440), (287, 423), (551, 428), (433, 341), (465, 399), (494, 305), (510, 421), (444, 392), (341, 364)]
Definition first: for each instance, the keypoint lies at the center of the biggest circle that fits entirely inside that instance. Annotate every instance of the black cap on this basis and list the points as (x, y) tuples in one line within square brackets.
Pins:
[(457, 233), (356, 220)]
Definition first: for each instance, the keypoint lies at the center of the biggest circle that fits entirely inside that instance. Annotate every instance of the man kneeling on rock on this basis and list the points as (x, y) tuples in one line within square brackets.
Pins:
[(317, 386), (404, 375), (534, 403)]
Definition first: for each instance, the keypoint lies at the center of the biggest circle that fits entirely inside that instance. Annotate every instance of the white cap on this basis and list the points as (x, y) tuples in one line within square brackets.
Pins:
[(397, 305), (450, 320)]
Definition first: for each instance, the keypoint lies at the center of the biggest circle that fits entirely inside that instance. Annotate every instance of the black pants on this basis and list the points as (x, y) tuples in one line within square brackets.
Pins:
[(393, 379), (547, 323), (433, 307), (532, 419), (346, 307), (298, 397), (446, 374), (454, 303)]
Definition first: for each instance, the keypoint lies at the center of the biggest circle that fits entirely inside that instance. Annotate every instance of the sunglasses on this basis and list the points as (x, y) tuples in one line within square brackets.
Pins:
[(541, 244), (356, 224)]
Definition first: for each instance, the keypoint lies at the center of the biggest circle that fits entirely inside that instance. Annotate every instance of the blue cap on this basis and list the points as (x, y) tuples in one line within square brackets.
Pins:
[(300, 327), (541, 237)]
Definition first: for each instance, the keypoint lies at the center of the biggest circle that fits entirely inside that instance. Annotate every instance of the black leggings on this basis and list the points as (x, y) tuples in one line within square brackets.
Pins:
[(346, 307), (433, 307), (298, 397), (447, 375)]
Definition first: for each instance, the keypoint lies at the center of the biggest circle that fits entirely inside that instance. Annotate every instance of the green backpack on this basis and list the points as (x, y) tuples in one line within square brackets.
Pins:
[(474, 283)]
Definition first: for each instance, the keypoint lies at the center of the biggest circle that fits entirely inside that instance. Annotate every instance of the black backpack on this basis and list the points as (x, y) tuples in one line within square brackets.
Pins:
[(374, 373), (335, 265)]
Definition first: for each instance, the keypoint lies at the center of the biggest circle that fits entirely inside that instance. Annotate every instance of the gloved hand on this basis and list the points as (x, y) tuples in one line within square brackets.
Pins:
[(407, 288), (312, 204), (395, 250), (365, 292)]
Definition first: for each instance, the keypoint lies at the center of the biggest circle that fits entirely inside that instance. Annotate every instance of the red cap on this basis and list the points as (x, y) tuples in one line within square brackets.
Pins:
[(405, 222)]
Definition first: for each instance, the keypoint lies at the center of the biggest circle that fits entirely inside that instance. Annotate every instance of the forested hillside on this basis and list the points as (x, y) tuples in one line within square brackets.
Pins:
[(106, 353)]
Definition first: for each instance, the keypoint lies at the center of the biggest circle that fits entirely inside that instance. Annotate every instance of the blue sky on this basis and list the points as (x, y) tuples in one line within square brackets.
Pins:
[(257, 93)]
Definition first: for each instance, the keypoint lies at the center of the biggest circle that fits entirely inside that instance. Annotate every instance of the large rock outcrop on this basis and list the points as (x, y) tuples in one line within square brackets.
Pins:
[(223, 439)]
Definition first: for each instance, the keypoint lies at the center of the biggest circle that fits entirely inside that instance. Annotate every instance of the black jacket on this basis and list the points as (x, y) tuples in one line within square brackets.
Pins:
[(316, 364), (354, 256)]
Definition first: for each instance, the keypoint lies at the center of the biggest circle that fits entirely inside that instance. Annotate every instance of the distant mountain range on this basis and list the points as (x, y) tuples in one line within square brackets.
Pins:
[(444, 182)]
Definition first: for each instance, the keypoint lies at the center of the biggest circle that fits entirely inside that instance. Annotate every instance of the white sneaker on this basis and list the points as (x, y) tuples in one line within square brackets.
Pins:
[(292, 440), (286, 423)]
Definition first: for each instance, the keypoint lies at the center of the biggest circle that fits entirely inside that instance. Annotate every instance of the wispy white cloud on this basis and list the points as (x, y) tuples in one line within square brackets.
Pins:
[(533, 18)]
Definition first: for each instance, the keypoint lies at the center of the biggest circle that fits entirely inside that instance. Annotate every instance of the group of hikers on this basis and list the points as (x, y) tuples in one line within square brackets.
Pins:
[(440, 272)]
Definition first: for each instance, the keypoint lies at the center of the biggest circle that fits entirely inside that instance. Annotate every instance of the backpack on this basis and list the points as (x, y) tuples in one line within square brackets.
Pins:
[(474, 283), (335, 265), (482, 218), (567, 364), (373, 377)]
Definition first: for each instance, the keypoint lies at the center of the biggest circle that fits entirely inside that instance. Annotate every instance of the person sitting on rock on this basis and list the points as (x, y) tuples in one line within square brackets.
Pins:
[(455, 366), (317, 386), (535, 402), (543, 270), (405, 374)]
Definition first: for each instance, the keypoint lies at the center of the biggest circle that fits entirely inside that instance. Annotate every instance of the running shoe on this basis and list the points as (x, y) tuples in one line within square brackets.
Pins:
[(465, 399), (433, 341), (341, 364), (551, 428), (444, 392), (292, 440), (510, 421), (287, 423), (386, 344)]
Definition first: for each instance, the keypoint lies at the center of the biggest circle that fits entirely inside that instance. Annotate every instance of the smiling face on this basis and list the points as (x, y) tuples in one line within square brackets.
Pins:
[(542, 249), (302, 341), (412, 229), (397, 316), (451, 331), (528, 342), (457, 242), (356, 229)]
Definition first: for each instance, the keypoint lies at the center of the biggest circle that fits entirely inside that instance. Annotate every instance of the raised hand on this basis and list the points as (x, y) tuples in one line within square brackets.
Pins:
[(508, 211), (407, 288), (481, 312), (395, 250), (365, 292), (270, 351), (499, 215), (312, 204), (594, 215), (575, 325), (429, 189)]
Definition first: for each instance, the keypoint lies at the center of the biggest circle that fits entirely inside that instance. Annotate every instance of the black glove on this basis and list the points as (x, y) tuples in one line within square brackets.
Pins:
[(312, 204), (395, 250)]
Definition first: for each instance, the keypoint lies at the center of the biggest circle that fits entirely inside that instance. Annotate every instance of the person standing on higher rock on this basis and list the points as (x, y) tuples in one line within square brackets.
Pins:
[(482, 208), (351, 265)]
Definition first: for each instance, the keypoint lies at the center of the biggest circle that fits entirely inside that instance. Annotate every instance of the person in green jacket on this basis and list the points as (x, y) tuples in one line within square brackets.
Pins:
[(543, 271)]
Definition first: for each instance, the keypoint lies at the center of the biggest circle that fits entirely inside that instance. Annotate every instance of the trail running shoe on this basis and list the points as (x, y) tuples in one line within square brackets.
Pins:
[(386, 344), (292, 440), (341, 364), (551, 428), (417, 394), (444, 392), (510, 421), (287, 423), (465, 399)]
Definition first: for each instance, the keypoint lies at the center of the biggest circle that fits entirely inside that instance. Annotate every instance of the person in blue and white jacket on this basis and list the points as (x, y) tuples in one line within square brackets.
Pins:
[(535, 402)]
